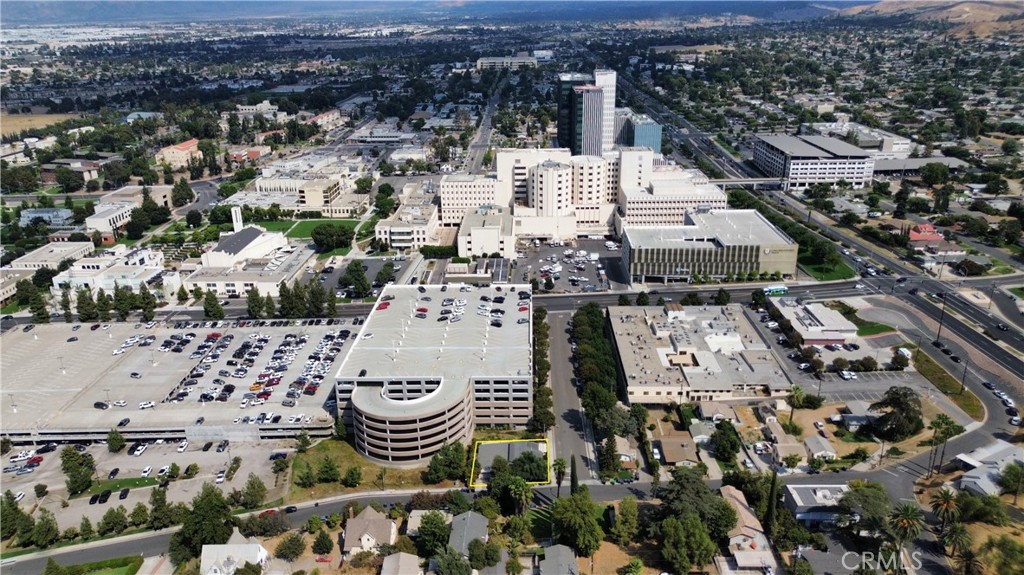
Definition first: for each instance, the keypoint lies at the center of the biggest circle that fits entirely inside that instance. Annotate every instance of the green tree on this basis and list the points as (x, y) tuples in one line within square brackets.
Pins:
[(146, 302), (77, 469), (687, 493), (160, 513), (194, 219), (209, 522), (69, 180), (945, 507), (904, 417), (1005, 554), (627, 522), (211, 307), (574, 481), (956, 537), (865, 507), (558, 467), (685, 542), (434, 532), (254, 303), (1010, 147), (38, 306), (353, 476), (722, 297), (182, 194), (182, 296), (65, 304), (268, 306), (725, 443), (1011, 479), (115, 441), (139, 515), (575, 524), (291, 547), (450, 562), (643, 298), (254, 493), (905, 522), (327, 471), (85, 529), (46, 532), (302, 442), (323, 544), (85, 306), (115, 521)]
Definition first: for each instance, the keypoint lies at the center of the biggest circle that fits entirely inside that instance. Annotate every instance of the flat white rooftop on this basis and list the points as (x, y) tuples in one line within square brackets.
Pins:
[(395, 344), (726, 227)]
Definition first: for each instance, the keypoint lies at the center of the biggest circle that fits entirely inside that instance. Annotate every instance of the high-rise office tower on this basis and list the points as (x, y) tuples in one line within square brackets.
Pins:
[(566, 129), (587, 117), (605, 79)]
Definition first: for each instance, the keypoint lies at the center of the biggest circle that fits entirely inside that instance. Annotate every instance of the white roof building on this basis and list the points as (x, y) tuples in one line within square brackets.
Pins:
[(50, 255)]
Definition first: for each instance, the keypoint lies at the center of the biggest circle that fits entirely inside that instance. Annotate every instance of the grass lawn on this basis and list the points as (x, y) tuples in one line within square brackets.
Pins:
[(822, 273), (341, 252), (1000, 270), (126, 570), (851, 437), (12, 307), (366, 230), (1017, 291), (948, 385), (119, 484), (345, 456), (278, 226), (304, 229), (864, 327)]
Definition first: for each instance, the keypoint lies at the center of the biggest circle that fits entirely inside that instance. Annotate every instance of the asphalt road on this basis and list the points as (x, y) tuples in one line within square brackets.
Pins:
[(572, 436)]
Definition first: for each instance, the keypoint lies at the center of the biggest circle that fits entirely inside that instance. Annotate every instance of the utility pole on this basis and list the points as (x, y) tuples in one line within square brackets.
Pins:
[(942, 317), (963, 378)]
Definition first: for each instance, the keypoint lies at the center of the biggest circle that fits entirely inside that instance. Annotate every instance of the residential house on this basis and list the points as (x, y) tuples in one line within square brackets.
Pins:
[(401, 564), (465, 528), (814, 504), (676, 451), (820, 448), (750, 551), (233, 555), (984, 464), (412, 524), (858, 414), (716, 411), (367, 532), (774, 432), (789, 446), (559, 560), (700, 433), (766, 413)]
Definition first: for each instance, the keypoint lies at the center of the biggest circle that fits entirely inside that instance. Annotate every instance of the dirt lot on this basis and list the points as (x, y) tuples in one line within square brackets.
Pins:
[(12, 124), (610, 558)]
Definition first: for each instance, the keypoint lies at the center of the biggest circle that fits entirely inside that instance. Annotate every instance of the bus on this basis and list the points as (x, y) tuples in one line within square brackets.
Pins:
[(776, 290)]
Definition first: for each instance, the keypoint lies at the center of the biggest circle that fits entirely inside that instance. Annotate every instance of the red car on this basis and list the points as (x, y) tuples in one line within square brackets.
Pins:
[(36, 459), (382, 306), (524, 308), (422, 310), (324, 558), (265, 394), (268, 513)]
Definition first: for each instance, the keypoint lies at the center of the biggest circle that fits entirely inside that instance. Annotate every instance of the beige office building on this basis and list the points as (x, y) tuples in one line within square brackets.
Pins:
[(715, 243)]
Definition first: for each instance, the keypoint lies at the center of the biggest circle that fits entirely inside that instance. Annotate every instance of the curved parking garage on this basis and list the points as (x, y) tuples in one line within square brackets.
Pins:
[(395, 425)]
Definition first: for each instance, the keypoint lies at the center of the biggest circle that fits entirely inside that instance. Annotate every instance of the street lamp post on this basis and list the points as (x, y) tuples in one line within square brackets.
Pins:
[(941, 318)]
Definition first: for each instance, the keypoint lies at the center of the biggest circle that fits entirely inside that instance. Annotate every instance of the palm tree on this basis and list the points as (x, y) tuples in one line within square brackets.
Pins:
[(796, 397), (968, 563), (945, 507), (559, 466), (521, 493), (956, 537), (905, 522)]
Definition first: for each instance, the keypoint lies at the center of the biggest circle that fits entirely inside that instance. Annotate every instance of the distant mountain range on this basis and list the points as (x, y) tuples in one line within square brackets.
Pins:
[(981, 18), (98, 12)]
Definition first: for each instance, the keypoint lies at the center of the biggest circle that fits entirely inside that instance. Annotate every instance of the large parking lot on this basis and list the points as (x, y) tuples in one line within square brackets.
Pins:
[(587, 273), (57, 379)]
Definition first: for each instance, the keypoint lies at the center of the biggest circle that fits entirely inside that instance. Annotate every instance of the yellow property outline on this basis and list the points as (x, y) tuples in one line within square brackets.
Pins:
[(476, 448)]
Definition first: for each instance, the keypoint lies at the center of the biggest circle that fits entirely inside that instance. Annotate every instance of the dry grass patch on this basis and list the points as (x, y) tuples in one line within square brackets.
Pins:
[(344, 456), (750, 430), (14, 123), (610, 558)]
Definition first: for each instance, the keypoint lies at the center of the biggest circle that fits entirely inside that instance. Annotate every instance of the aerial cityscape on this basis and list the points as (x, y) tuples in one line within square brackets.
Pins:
[(469, 287)]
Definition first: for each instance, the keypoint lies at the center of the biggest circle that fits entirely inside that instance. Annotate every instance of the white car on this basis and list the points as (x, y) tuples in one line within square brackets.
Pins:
[(120, 403), (220, 477), (819, 425), (182, 446), (164, 470), (1008, 402), (1015, 421), (19, 496), (118, 351), (147, 405), (367, 336), (236, 420), (146, 471), (859, 286)]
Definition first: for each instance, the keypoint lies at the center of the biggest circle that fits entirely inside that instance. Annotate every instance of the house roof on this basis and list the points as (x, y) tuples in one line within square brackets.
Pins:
[(747, 523), (675, 450), (371, 522), (187, 144), (711, 409), (817, 444), (465, 528), (236, 242), (559, 560), (698, 429), (401, 564)]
